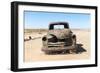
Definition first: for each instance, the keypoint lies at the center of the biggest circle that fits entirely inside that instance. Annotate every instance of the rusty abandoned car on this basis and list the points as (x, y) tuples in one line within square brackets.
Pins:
[(59, 40)]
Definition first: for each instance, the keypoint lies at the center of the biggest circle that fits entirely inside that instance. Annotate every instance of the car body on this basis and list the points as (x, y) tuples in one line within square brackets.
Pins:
[(59, 40)]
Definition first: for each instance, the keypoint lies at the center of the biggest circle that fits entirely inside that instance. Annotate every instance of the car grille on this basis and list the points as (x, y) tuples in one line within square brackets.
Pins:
[(61, 42)]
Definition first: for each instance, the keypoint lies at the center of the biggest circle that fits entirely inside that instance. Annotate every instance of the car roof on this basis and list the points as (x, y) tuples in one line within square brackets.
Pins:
[(59, 23)]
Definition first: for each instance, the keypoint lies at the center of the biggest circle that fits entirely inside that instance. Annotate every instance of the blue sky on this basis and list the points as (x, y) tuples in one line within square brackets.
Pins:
[(36, 20)]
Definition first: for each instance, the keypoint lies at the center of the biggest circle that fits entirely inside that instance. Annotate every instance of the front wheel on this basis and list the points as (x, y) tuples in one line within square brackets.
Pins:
[(48, 52)]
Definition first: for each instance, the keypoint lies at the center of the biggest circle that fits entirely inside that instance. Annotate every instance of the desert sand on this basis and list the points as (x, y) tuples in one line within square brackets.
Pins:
[(32, 50)]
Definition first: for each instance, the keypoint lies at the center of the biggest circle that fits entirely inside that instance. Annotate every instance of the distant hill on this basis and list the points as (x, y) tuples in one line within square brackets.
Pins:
[(45, 30), (35, 30)]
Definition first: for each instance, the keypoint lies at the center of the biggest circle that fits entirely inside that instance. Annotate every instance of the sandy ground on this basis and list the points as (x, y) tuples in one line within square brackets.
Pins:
[(32, 51)]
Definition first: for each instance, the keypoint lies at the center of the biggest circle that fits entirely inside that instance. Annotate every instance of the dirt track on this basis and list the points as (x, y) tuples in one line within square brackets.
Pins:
[(33, 47)]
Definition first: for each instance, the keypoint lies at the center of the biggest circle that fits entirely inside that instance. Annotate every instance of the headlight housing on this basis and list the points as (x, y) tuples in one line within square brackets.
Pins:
[(44, 39)]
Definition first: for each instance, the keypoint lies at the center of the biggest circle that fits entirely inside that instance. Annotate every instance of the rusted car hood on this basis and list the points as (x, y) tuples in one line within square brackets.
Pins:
[(61, 33)]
